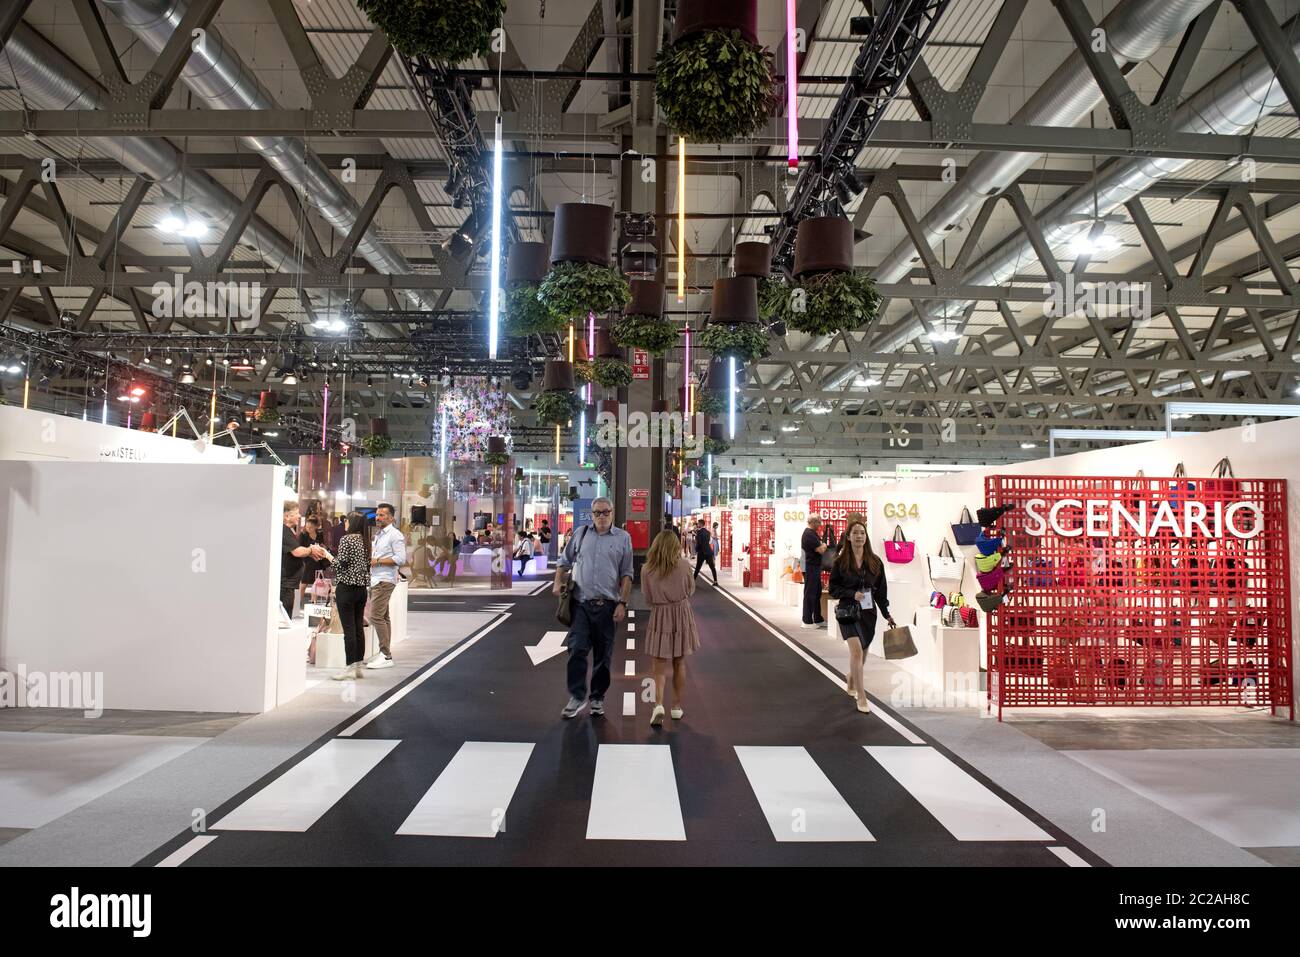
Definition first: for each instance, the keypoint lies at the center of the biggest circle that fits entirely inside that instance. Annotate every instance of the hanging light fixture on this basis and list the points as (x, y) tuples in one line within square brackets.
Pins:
[(325, 415), (494, 293), (791, 90), (681, 219)]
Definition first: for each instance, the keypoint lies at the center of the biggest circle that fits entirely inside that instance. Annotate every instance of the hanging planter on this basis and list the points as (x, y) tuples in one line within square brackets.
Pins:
[(612, 373), (376, 446), (746, 341), (525, 314), (496, 458), (655, 336), (573, 289), (827, 296), (714, 82), (581, 279), (735, 300), (446, 30), (710, 401), (557, 408), (714, 446), (753, 259)]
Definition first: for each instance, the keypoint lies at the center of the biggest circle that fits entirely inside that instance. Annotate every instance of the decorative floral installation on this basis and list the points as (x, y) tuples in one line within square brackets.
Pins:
[(476, 410)]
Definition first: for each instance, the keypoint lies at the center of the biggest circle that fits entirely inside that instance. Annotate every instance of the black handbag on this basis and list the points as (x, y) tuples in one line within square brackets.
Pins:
[(564, 604)]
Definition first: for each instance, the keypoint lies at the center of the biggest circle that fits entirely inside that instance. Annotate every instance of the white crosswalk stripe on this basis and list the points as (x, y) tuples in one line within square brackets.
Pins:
[(797, 798), (470, 796), (634, 797)]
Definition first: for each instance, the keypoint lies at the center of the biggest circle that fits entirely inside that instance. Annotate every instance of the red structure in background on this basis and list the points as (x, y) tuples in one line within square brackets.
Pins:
[(565, 522), (724, 538), (835, 512), (1129, 619), (762, 528)]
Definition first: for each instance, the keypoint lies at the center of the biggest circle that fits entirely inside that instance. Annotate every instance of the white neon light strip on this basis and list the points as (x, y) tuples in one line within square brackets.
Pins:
[(494, 302)]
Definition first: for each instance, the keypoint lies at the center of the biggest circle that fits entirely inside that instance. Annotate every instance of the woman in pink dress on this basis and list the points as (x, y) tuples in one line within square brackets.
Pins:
[(667, 583)]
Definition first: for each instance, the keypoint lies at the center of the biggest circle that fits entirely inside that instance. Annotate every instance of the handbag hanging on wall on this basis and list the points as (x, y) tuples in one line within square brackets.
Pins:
[(986, 543), (991, 580), (898, 549), (955, 597), (943, 565), (986, 563), (1180, 488), (967, 530), (1225, 486)]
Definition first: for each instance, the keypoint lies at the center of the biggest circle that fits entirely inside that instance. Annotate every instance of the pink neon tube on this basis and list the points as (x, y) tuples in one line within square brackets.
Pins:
[(791, 89)]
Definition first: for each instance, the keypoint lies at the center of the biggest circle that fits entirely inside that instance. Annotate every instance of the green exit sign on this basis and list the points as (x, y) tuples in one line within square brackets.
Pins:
[(812, 468), (588, 465)]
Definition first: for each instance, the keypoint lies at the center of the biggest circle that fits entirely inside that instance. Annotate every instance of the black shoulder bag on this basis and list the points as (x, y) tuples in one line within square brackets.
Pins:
[(564, 605)]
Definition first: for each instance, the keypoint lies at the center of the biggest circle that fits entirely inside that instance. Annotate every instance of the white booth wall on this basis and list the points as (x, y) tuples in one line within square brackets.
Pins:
[(162, 577), (33, 435)]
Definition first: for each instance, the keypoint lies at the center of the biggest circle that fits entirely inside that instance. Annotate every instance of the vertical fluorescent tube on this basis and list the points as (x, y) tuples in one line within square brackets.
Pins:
[(681, 219), (557, 443), (690, 386), (710, 466), (212, 412), (571, 342), (591, 345), (494, 300), (324, 415), (582, 437), (27, 385), (731, 405), (103, 418), (791, 89), (442, 444)]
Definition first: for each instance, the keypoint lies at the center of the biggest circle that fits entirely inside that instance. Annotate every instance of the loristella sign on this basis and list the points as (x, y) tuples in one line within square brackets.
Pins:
[(1109, 518)]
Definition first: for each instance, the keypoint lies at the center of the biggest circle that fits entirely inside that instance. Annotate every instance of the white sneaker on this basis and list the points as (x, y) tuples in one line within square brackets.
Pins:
[(380, 661), (359, 670), (347, 674), (677, 713), (657, 716), (808, 624)]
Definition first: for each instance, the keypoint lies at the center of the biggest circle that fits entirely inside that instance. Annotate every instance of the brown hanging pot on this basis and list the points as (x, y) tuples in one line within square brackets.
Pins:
[(605, 347), (735, 300), (527, 264), (697, 16), (647, 298), (379, 426), (823, 244), (558, 376), (719, 378), (496, 445), (754, 259), (582, 233)]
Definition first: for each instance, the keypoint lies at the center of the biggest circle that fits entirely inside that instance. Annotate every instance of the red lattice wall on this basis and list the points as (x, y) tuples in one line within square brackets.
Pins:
[(835, 512), (1134, 620), (724, 538), (762, 526)]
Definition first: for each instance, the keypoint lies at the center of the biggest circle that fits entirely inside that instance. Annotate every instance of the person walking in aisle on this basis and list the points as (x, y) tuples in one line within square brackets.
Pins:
[(387, 556), (858, 581), (292, 552), (351, 581), (704, 553), (813, 549), (599, 558), (667, 583), (715, 541)]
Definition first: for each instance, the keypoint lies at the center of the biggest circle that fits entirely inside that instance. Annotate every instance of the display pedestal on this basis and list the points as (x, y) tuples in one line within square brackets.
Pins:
[(330, 652), (957, 651), (291, 668)]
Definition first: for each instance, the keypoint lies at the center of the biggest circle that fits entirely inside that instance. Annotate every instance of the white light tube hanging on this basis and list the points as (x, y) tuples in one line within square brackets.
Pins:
[(681, 218), (442, 444), (494, 301)]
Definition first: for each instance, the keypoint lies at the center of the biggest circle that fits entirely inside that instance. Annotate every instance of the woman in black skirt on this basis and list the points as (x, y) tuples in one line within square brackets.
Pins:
[(858, 581)]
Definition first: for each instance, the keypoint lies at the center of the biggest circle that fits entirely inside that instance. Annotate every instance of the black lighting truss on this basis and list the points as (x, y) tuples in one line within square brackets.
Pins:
[(447, 99), (899, 32)]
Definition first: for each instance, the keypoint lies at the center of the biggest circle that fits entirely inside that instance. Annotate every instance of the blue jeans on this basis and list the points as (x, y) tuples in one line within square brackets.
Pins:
[(592, 631)]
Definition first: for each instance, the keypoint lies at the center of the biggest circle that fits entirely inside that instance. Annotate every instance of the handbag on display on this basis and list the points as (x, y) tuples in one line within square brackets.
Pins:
[(970, 618), (986, 563), (938, 599), (990, 514), (991, 580), (322, 587), (944, 564), (990, 600), (967, 530), (898, 642), (955, 597), (898, 549), (951, 616), (1180, 488), (1225, 486), (986, 543)]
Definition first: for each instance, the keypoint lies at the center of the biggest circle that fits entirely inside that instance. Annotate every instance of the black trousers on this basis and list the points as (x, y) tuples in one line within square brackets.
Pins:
[(288, 591), (592, 632), (350, 601), (812, 597), (700, 559)]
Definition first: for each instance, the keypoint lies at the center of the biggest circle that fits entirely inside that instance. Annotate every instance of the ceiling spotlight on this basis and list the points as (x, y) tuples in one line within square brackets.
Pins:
[(1085, 245), (187, 376), (290, 378), (866, 382), (167, 361), (1029, 445), (767, 441), (137, 390), (242, 364), (170, 224), (208, 361), (789, 428), (943, 335), (819, 409)]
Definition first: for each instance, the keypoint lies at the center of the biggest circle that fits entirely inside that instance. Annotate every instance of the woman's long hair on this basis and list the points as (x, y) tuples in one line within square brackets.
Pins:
[(664, 554), (844, 560), (357, 526)]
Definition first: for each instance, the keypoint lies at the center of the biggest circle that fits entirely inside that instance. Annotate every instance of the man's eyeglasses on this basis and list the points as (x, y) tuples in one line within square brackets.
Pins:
[(602, 511)]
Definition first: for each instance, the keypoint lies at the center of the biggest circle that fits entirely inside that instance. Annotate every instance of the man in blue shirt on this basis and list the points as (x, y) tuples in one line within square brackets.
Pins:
[(599, 558), (387, 555)]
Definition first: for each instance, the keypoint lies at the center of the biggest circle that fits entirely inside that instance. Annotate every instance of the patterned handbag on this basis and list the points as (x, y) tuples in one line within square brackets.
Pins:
[(986, 563), (969, 616), (951, 616), (943, 565), (898, 549), (938, 599)]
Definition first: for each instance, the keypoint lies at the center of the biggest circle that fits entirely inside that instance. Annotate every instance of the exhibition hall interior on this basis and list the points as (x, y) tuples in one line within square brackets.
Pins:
[(658, 433)]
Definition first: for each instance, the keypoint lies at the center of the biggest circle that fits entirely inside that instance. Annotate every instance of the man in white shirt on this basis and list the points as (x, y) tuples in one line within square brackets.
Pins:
[(387, 555)]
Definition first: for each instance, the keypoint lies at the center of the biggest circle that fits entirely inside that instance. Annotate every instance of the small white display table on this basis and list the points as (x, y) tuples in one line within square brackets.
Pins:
[(291, 669), (329, 646)]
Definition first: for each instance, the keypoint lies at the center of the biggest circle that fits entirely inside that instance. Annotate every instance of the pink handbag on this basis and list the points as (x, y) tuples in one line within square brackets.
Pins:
[(991, 580), (898, 549)]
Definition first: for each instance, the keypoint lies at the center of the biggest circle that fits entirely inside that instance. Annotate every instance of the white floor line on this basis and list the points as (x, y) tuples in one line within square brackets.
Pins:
[(539, 589), (630, 615), (629, 704), (182, 854), (634, 796), (631, 627), (438, 666), (967, 809), (797, 798), (299, 798), (631, 644), (1071, 858), (471, 795), (876, 709), (629, 669)]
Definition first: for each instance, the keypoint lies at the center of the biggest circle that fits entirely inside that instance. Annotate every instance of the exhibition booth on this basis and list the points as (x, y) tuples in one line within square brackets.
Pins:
[(1153, 574)]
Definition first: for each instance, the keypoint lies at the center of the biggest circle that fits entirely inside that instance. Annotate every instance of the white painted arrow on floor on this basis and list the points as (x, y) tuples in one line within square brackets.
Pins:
[(547, 648)]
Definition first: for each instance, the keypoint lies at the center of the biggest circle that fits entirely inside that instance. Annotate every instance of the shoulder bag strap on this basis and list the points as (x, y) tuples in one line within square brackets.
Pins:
[(945, 550), (1224, 469), (1180, 470)]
